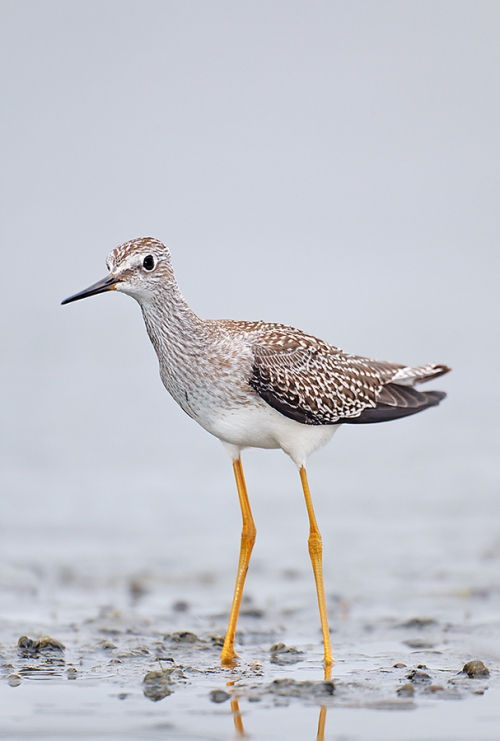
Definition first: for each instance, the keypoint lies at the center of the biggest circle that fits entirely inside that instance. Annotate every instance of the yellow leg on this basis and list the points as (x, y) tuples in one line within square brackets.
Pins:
[(248, 534), (316, 554)]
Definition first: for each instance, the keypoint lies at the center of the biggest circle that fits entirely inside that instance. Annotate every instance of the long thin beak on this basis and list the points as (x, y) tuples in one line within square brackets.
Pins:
[(106, 284)]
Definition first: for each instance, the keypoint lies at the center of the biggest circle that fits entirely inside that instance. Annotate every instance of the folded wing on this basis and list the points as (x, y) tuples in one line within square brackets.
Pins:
[(314, 383)]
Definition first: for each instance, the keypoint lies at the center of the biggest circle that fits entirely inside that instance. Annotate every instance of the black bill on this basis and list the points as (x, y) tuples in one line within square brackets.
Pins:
[(106, 284)]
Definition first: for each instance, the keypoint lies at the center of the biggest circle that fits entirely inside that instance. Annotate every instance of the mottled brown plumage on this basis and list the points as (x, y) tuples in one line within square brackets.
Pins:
[(257, 384)]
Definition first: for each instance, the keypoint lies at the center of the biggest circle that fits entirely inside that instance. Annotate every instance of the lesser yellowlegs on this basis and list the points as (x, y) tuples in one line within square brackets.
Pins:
[(262, 385)]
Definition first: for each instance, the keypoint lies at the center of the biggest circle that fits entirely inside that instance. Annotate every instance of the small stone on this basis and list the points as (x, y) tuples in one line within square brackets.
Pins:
[(180, 606), (277, 647), (399, 665), (71, 672), (14, 680), (157, 685), (418, 643), (137, 589), (26, 643), (282, 654), (182, 637), (418, 676), (435, 688), (219, 696), (106, 645), (475, 669), (46, 643), (418, 623), (406, 690)]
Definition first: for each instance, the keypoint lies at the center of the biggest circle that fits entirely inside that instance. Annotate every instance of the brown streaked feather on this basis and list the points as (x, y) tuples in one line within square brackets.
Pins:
[(314, 383)]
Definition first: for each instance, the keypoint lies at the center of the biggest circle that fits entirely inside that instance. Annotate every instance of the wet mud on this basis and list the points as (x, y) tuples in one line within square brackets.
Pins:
[(141, 651)]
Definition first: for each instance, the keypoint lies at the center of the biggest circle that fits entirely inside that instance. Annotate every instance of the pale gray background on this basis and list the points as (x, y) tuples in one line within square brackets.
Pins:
[(330, 165)]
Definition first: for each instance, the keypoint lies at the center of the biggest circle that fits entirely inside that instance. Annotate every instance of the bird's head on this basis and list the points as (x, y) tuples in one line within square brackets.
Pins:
[(140, 268)]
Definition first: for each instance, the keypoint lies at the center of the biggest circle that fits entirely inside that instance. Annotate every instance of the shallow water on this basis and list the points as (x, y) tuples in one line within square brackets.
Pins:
[(426, 597)]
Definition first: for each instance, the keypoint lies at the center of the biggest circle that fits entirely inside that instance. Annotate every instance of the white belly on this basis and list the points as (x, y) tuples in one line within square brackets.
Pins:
[(260, 426)]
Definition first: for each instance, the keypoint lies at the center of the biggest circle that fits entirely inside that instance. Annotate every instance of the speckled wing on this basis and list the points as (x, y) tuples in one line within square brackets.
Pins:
[(314, 383)]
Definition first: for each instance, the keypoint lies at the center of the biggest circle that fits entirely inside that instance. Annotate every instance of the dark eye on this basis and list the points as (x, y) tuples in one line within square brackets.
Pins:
[(148, 263)]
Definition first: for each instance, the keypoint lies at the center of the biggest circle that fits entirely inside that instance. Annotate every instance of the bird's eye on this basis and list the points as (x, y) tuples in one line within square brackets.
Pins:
[(148, 263)]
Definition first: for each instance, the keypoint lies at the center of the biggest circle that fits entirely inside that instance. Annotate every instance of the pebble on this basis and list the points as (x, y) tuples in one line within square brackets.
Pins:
[(418, 623), (475, 669), (14, 680), (418, 676), (282, 654), (219, 696), (182, 637), (157, 685)]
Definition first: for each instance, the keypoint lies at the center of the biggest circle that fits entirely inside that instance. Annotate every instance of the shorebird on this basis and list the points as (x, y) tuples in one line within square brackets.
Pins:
[(259, 385)]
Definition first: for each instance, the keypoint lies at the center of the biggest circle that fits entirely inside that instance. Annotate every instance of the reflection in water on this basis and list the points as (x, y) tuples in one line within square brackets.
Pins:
[(321, 724), (238, 721), (235, 709), (322, 712)]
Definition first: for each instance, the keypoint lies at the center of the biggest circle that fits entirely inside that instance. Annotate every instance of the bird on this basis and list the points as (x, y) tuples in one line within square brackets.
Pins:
[(256, 384)]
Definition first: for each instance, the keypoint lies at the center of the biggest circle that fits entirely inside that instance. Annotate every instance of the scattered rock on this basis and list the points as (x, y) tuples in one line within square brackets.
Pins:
[(157, 685), (26, 646), (418, 643), (106, 645), (71, 672), (399, 665), (180, 606), (417, 676), (475, 669), (255, 666), (406, 690), (219, 696), (217, 641), (133, 652), (182, 637), (282, 654), (137, 589), (45, 644), (418, 623), (14, 680)]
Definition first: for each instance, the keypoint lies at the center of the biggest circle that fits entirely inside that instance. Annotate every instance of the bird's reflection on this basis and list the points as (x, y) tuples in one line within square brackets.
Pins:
[(235, 710), (238, 720), (322, 711)]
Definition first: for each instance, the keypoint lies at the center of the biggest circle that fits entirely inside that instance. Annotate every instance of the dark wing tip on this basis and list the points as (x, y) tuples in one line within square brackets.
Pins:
[(396, 402)]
